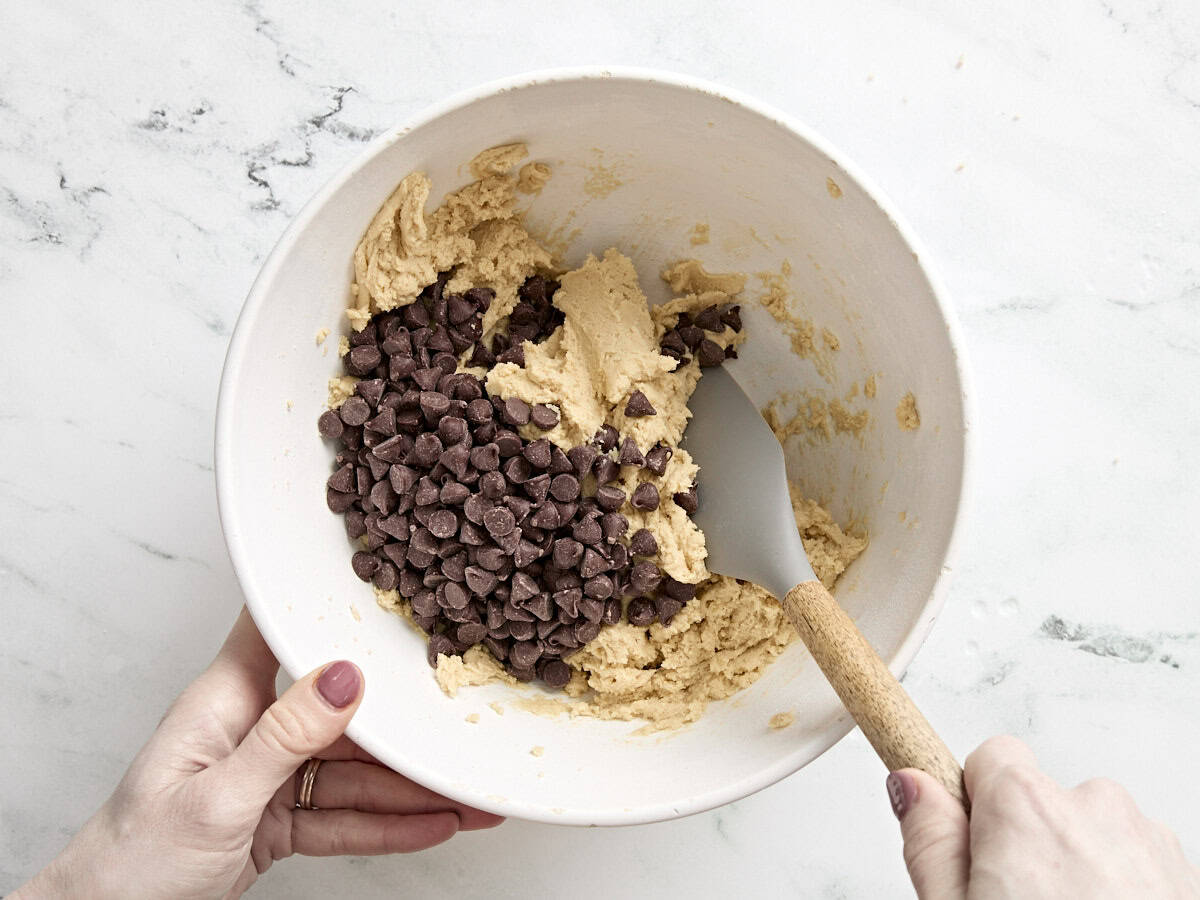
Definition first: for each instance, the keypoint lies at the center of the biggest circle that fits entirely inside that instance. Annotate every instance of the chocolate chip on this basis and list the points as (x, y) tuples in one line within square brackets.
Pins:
[(355, 411), (667, 608), (613, 526), (606, 438), (606, 470), (379, 467), (556, 673), (443, 523), (485, 458), (456, 595), (732, 318), (424, 603), (598, 587), (330, 424), (426, 450), (455, 567), (592, 564), (641, 612), (509, 443), (639, 405), (709, 319), (582, 458), (567, 553), (537, 487), (644, 577), (362, 360), (342, 480), (490, 558), (471, 633), (564, 488), (387, 577), (368, 335), (677, 590), (645, 496), (459, 309), (673, 344), (587, 531), (480, 580), (642, 543), (586, 631), (657, 458), (514, 354), (515, 412), (383, 497), (427, 491), (453, 430), (384, 423), (710, 354), (524, 654), (499, 521), (687, 500), (517, 469), (456, 459), (538, 453), (545, 517), (475, 507), (482, 356), (609, 497), (492, 485), (543, 416), (692, 336), (356, 524), (630, 454), (365, 565), (518, 506)]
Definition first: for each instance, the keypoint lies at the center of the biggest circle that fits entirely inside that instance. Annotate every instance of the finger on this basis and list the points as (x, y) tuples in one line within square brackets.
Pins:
[(994, 756), (936, 835), (374, 789), (310, 716), (347, 832)]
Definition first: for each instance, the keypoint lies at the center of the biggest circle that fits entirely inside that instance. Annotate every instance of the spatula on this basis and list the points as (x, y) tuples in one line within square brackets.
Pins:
[(746, 516)]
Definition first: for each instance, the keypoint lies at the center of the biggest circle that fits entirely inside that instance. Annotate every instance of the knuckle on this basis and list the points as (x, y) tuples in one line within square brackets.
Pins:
[(284, 729)]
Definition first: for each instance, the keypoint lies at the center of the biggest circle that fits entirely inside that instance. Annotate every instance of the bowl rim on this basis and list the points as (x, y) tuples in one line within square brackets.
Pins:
[(239, 344)]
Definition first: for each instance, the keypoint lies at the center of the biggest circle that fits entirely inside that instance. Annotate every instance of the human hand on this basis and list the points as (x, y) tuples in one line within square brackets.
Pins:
[(210, 801), (1029, 838)]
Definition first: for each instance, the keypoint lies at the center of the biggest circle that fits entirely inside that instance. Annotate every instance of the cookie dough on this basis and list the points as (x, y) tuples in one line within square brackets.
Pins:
[(607, 347), (907, 416)]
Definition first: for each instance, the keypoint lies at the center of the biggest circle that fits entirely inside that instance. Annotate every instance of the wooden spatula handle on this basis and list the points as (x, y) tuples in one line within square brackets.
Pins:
[(901, 736)]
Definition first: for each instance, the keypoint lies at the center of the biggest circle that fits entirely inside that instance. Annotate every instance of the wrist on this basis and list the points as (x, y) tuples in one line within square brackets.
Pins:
[(84, 868)]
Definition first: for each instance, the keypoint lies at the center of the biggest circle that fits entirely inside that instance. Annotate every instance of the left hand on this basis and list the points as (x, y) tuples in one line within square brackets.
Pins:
[(210, 801)]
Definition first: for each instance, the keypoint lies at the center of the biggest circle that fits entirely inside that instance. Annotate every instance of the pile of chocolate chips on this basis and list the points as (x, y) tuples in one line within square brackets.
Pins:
[(486, 533)]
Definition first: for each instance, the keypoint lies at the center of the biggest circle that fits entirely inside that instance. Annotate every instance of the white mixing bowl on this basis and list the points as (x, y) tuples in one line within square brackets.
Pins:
[(639, 158)]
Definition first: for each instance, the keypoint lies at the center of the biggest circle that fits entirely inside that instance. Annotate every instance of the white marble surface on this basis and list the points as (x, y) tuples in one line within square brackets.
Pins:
[(151, 153)]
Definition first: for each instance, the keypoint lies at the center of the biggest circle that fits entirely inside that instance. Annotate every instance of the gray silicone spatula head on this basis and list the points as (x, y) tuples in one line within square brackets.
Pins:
[(745, 511)]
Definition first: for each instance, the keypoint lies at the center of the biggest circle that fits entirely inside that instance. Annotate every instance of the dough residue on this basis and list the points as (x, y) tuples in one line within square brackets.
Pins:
[(700, 234), (533, 177), (906, 413), (781, 720)]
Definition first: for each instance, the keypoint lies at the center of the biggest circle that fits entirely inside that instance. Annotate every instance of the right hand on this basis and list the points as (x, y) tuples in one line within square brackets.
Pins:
[(1028, 837)]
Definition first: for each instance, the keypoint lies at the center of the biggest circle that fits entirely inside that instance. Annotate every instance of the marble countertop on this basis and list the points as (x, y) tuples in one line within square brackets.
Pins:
[(151, 154)]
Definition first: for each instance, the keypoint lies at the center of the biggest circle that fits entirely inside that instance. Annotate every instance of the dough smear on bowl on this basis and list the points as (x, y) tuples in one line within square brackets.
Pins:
[(545, 531)]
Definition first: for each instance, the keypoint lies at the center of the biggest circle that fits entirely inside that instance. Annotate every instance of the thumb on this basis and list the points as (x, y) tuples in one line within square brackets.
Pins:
[(310, 716), (936, 835)]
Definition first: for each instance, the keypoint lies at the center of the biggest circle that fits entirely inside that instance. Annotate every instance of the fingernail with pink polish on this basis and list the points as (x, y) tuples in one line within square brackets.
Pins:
[(339, 684), (902, 791)]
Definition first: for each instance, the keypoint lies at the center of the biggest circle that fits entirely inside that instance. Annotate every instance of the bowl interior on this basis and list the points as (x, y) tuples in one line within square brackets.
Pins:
[(637, 164)]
